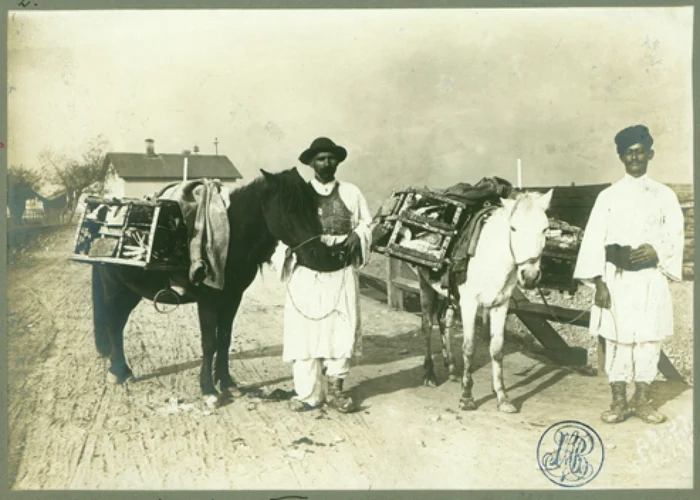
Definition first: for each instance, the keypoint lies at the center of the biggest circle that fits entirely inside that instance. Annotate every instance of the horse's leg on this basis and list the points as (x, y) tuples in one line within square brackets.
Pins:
[(497, 317), (100, 314), (227, 312), (117, 315), (468, 305), (427, 304), (208, 322), (446, 327)]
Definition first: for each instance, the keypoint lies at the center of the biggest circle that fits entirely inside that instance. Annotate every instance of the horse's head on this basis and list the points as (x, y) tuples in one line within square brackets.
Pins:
[(528, 223), (289, 208)]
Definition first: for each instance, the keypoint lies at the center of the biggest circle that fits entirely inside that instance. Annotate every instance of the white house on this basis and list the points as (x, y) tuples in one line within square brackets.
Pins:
[(136, 175)]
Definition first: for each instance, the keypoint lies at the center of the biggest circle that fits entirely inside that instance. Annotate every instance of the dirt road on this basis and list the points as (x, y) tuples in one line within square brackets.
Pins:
[(70, 428)]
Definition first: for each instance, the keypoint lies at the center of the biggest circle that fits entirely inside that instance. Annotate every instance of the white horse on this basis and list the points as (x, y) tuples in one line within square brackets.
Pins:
[(508, 251)]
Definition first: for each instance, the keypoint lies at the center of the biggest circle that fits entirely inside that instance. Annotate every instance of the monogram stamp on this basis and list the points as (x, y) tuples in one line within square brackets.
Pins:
[(570, 454)]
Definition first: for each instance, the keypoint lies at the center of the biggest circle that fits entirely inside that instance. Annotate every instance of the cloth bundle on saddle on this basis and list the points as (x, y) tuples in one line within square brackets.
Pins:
[(204, 204), (479, 200)]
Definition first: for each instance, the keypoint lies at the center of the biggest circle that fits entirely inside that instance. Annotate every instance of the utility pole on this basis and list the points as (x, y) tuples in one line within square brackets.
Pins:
[(216, 145)]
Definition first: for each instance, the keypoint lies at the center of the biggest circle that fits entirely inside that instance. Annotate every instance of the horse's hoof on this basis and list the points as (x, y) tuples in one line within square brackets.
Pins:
[(467, 404), (208, 387), (507, 407), (430, 381), (224, 398), (119, 378), (211, 401), (453, 377)]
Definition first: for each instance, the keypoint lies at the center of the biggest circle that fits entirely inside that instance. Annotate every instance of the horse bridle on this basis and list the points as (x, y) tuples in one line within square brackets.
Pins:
[(294, 249), (531, 260)]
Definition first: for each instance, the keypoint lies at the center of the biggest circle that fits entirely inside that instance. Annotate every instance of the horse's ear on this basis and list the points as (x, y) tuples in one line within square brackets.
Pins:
[(268, 176), (545, 199)]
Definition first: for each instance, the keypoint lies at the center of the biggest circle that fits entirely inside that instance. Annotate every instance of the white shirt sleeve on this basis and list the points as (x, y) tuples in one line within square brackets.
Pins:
[(362, 218), (591, 256), (283, 263), (671, 238)]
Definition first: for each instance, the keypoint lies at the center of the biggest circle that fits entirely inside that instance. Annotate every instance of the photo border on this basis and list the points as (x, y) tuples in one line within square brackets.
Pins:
[(13, 5)]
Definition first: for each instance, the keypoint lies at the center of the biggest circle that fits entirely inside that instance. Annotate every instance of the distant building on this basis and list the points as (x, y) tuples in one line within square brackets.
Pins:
[(46, 206), (55, 207), (141, 174)]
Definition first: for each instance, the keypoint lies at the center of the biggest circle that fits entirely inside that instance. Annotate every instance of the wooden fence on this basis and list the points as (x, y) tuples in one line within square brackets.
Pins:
[(685, 197)]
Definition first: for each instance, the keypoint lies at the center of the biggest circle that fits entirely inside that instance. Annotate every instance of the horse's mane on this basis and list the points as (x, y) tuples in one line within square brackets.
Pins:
[(292, 198), (248, 194)]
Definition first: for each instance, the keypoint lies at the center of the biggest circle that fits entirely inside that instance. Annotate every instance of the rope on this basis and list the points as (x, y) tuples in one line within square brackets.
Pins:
[(600, 321), (162, 293), (551, 311), (304, 243), (334, 309)]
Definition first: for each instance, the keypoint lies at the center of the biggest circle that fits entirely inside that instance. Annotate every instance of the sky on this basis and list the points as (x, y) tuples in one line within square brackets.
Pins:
[(426, 97)]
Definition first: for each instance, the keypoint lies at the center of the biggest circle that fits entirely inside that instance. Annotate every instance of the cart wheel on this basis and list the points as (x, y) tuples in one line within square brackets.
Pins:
[(163, 307)]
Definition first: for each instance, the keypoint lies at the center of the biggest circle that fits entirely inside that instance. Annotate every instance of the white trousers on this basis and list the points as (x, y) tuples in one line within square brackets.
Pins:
[(632, 362), (309, 382)]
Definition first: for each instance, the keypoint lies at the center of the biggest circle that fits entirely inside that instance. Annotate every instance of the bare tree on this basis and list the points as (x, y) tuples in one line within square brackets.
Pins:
[(77, 177), (22, 183)]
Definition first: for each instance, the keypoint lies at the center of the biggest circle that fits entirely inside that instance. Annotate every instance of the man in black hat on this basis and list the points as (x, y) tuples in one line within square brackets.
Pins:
[(322, 313), (632, 245)]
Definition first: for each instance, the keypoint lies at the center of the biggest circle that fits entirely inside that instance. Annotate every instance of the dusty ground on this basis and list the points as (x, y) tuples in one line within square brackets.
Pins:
[(71, 429), (678, 348)]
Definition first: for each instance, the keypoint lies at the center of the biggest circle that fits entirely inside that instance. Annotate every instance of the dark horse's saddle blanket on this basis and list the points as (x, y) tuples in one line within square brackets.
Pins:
[(465, 247), (204, 205)]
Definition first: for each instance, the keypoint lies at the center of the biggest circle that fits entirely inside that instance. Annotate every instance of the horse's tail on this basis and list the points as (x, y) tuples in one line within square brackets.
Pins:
[(99, 316)]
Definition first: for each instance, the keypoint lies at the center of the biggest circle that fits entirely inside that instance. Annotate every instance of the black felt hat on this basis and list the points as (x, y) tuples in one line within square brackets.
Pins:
[(325, 145), (636, 134)]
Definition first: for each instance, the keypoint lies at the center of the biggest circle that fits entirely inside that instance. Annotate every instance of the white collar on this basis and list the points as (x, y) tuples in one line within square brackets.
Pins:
[(641, 182), (321, 188), (641, 178)]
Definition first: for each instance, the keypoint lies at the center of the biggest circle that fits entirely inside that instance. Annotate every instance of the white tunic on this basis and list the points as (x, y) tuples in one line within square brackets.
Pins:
[(322, 310), (634, 211)]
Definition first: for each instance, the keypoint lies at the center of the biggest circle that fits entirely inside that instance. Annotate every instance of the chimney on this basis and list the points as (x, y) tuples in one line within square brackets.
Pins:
[(150, 148)]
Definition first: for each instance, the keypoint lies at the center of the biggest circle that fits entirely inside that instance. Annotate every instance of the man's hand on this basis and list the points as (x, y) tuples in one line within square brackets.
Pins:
[(353, 245), (645, 254), (602, 294)]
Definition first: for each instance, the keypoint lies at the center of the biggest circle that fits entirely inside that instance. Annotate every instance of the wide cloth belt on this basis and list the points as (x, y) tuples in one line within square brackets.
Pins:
[(620, 256), (335, 259)]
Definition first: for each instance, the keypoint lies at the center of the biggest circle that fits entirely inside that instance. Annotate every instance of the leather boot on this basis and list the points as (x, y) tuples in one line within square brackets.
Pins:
[(619, 411), (337, 398), (640, 404)]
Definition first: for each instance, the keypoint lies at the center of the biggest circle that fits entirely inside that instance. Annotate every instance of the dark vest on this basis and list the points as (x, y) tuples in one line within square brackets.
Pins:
[(336, 219), (335, 216)]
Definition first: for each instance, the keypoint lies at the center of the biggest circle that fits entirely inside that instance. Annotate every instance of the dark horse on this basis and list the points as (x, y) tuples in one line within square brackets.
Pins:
[(272, 208)]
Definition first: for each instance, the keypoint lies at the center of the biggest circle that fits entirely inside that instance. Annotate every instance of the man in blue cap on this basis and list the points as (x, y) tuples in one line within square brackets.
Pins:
[(632, 246), (322, 312)]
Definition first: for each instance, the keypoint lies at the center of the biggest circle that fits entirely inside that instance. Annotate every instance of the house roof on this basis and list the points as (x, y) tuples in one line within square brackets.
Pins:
[(169, 166), (51, 192)]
